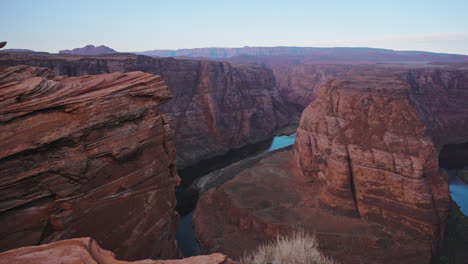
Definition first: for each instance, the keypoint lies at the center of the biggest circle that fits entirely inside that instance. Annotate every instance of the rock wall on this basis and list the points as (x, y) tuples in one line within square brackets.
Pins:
[(216, 106), (372, 145), (87, 156), (298, 83), (363, 176)]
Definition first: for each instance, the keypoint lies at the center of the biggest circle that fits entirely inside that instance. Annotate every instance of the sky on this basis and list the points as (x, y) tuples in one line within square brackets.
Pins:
[(140, 25)]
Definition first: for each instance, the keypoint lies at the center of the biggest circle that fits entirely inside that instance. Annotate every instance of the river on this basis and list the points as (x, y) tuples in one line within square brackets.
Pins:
[(458, 190), (186, 237)]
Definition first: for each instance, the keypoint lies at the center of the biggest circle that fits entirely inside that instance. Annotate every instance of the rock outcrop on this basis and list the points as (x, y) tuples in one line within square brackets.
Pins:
[(87, 156), (363, 176), (88, 251), (89, 50), (216, 106)]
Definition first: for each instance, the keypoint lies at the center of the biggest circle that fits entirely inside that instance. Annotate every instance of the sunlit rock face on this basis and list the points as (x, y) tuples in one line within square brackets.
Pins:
[(88, 251), (87, 156), (363, 175)]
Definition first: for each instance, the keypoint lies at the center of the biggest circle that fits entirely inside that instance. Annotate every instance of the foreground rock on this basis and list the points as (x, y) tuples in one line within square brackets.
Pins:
[(216, 107), (88, 251), (363, 176), (86, 156)]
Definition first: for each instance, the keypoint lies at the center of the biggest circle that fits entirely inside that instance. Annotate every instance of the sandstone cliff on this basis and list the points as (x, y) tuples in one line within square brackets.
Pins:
[(216, 106), (88, 251), (363, 176), (86, 156)]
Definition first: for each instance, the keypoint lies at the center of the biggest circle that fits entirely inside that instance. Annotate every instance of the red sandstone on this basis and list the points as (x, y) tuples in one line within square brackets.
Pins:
[(363, 175), (87, 156), (88, 251)]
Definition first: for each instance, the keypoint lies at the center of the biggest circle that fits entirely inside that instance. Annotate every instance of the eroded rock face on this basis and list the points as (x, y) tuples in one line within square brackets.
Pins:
[(274, 197), (363, 176), (372, 145), (298, 83), (86, 156), (216, 106), (88, 251)]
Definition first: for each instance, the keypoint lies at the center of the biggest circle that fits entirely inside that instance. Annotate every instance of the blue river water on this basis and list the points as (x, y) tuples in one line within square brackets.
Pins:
[(188, 245), (281, 142), (185, 236), (458, 191)]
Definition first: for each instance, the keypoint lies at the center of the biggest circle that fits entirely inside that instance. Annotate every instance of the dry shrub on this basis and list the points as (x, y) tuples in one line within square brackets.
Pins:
[(300, 248)]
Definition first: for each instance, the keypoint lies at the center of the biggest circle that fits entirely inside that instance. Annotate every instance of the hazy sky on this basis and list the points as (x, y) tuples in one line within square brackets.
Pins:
[(138, 25)]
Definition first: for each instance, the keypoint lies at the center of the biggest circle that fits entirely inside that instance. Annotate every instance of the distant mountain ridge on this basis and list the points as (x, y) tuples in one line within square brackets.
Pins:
[(313, 53), (18, 50), (89, 50), (267, 56)]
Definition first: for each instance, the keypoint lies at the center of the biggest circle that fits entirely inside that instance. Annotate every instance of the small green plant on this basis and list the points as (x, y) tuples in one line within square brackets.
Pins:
[(300, 248)]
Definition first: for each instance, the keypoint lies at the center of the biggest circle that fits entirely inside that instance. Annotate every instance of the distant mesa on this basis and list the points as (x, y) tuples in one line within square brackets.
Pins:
[(2, 44), (316, 54), (89, 50), (19, 50)]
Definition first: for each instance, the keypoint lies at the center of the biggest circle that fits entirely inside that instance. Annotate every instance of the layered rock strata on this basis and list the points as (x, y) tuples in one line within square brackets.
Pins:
[(88, 251), (87, 156), (363, 176), (216, 106)]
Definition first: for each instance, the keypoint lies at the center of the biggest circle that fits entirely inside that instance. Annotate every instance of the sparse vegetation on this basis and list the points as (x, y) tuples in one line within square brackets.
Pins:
[(300, 248)]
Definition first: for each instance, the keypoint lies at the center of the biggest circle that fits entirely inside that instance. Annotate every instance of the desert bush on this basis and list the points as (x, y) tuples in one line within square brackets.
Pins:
[(299, 248)]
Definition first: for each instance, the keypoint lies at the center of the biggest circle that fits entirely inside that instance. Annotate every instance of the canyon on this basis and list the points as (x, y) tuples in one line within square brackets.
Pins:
[(216, 106), (363, 173), (93, 146)]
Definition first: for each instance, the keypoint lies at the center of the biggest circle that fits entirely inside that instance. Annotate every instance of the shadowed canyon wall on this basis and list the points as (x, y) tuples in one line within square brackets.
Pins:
[(87, 156)]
